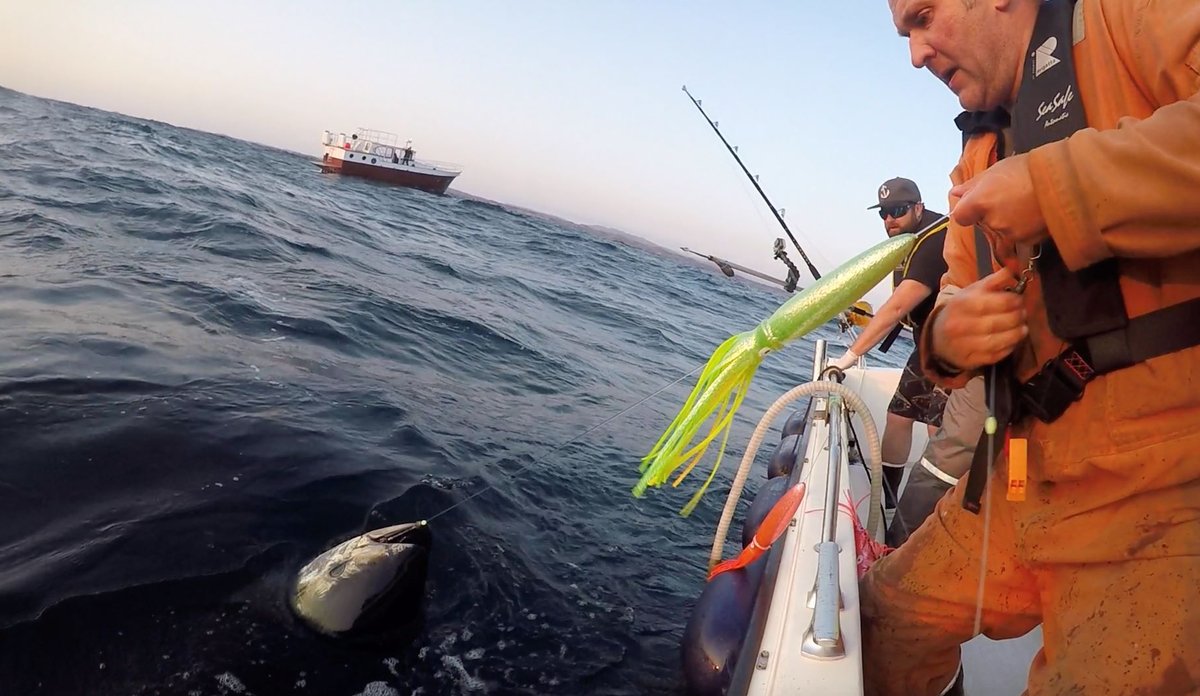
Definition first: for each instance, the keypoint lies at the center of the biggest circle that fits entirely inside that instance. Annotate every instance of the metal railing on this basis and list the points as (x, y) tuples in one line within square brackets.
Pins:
[(378, 137), (823, 638)]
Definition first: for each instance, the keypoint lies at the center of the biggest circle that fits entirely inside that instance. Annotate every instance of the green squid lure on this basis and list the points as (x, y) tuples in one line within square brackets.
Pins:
[(723, 382)]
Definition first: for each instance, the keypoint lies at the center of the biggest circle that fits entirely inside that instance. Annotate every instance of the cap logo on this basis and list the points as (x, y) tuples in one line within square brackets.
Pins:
[(884, 192)]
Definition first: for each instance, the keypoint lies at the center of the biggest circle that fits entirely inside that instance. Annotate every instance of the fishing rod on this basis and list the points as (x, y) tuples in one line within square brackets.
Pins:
[(753, 180), (778, 216), (721, 263), (728, 267)]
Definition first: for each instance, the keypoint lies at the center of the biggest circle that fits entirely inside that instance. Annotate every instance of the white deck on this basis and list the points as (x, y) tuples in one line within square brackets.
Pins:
[(780, 667)]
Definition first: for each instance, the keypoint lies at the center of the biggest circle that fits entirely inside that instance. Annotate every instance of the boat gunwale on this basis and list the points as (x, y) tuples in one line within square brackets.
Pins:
[(747, 659)]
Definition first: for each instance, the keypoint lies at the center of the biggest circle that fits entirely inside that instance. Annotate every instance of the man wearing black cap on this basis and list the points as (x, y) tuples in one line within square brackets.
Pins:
[(916, 284)]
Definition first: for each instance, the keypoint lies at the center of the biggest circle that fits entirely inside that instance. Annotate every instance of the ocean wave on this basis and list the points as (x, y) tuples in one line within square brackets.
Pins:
[(216, 362)]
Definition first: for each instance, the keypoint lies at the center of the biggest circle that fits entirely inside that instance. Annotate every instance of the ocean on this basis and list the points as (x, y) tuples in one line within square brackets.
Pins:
[(216, 362)]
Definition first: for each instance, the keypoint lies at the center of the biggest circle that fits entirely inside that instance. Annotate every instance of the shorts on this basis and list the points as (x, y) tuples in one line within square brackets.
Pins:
[(916, 397), (947, 457), (923, 490)]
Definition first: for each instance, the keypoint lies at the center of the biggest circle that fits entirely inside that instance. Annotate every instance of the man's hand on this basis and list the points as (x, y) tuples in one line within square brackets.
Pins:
[(981, 324), (1002, 200), (848, 360)]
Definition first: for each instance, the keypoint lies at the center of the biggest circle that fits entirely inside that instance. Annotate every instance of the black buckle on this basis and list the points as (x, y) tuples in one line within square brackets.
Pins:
[(1060, 383)]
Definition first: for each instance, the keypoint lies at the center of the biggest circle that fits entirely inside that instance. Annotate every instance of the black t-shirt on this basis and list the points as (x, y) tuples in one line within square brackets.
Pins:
[(926, 265)]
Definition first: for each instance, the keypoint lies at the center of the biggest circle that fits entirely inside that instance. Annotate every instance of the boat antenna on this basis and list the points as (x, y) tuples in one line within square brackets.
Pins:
[(811, 268)]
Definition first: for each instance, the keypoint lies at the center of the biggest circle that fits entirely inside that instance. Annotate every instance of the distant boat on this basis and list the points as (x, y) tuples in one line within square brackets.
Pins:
[(373, 154)]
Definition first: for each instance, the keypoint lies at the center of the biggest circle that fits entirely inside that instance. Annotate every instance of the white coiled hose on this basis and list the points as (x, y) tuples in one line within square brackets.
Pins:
[(874, 463)]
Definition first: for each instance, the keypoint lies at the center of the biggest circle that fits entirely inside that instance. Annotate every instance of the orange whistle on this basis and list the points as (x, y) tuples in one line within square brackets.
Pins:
[(1018, 452)]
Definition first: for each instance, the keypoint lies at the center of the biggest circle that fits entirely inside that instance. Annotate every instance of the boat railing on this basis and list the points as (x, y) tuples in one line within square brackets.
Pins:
[(820, 348), (823, 639), (447, 167), (379, 137)]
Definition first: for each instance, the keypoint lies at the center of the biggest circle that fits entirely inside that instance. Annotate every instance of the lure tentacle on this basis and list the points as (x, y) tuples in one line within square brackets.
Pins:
[(726, 377)]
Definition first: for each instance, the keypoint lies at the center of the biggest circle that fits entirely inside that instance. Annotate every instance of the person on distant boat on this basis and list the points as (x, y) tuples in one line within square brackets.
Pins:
[(1074, 260), (408, 153), (915, 285)]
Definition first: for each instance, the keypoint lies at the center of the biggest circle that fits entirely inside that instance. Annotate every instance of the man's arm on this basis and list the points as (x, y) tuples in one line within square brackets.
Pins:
[(959, 252), (907, 295), (1130, 191)]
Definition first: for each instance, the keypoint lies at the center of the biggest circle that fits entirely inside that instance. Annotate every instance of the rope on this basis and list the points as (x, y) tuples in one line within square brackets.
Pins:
[(739, 481)]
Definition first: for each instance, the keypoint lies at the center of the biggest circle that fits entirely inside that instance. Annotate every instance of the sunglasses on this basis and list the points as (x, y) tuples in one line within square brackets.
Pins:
[(895, 211)]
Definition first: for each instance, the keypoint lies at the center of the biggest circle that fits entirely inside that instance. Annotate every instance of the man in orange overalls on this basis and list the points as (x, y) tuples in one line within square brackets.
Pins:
[(1098, 539)]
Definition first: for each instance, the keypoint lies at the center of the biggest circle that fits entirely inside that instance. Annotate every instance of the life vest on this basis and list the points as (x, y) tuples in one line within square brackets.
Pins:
[(1086, 308), (926, 232)]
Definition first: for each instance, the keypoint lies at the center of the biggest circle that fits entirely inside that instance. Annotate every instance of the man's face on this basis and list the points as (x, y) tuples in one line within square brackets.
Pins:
[(901, 217), (966, 44)]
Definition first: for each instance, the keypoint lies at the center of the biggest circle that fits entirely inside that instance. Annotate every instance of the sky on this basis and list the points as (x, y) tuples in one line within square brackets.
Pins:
[(568, 107)]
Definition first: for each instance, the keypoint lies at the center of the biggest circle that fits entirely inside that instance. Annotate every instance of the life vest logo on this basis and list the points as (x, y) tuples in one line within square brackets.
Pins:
[(1043, 56), (1059, 102)]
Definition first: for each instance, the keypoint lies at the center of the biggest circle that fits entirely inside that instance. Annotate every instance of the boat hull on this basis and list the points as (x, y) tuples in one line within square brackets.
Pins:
[(747, 637), (396, 175)]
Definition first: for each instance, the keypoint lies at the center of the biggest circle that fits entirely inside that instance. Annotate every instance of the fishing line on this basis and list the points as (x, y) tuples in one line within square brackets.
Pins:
[(574, 439), (990, 423), (894, 490), (541, 457)]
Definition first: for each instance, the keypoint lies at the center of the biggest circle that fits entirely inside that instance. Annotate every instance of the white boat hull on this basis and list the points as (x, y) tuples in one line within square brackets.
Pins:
[(781, 667), (778, 656)]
